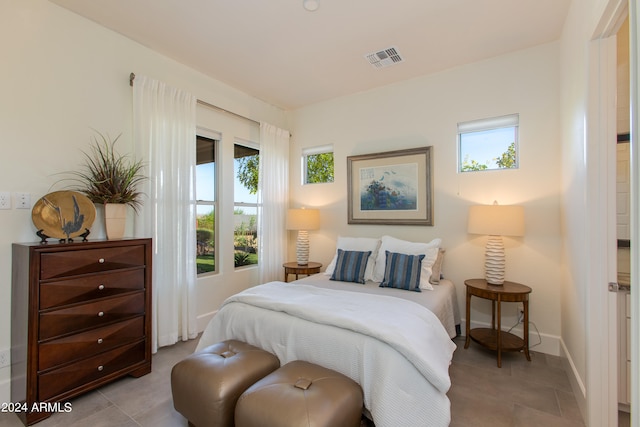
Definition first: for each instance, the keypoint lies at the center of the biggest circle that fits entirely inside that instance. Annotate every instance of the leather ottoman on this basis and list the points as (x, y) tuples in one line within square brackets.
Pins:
[(206, 385), (301, 394)]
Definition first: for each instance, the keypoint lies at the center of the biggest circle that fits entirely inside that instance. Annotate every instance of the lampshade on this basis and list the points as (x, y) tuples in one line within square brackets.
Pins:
[(496, 220), (303, 219)]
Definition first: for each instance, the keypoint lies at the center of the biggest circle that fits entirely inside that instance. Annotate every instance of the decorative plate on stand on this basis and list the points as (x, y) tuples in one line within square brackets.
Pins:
[(63, 215)]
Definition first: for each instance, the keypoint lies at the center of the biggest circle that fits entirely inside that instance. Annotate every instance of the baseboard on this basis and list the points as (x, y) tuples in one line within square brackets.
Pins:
[(543, 343), (577, 385)]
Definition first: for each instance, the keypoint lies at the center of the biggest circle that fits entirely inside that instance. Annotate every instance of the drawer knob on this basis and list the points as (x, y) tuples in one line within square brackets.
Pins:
[(101, 260), (101, 287), (100, 313), (100, 368), (99, 340)]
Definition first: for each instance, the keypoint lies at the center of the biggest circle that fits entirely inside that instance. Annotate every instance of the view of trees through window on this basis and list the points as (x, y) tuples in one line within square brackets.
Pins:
[(245, 230), (206, 204), (488, 144), (506, 160), (317, 164), (319, 168)]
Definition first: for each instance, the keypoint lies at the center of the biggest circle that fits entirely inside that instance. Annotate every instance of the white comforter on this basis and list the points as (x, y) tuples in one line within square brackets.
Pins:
[(397, 350)]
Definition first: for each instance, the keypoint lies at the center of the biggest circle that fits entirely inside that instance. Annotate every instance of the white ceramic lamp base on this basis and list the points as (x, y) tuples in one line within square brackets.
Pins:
[(302, 247), (494, 261)]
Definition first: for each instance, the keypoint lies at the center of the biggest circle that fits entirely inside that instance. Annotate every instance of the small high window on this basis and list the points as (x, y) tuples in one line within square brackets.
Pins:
[(317, 165), (488, 144)]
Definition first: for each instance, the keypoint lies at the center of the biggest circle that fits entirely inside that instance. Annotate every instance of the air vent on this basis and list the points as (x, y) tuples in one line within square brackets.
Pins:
[(384, 58)]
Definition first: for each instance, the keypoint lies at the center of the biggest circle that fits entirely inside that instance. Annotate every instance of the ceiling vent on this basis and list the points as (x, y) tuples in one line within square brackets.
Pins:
[(384, 58)]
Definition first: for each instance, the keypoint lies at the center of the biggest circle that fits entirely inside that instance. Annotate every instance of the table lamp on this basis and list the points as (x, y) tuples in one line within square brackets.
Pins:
[(303, 220), (496, 221)]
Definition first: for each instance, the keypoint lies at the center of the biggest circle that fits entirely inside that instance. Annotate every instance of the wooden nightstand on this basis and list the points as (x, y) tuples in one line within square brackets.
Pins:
[(295, 268), (495, 338)]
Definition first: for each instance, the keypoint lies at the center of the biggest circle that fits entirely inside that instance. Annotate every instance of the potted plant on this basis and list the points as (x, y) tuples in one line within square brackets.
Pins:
[(111, 179)]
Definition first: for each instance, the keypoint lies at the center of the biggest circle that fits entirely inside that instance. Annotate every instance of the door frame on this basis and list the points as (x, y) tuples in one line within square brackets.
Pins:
[(634, 60), (601, 309)]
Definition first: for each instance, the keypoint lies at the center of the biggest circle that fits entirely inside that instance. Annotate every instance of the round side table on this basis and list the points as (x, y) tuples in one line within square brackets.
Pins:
[(495, 338), (295, 268)]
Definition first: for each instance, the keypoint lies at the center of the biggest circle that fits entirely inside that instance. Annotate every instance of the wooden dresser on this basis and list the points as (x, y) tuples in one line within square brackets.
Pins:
[(80, 319)]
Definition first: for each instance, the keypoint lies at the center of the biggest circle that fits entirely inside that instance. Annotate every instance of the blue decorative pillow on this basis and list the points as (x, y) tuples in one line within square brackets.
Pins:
[(350, 266), (402, 271)]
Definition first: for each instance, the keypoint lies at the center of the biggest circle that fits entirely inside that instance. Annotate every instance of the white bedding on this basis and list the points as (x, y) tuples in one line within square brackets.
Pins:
[(400, 356), (442, 300)]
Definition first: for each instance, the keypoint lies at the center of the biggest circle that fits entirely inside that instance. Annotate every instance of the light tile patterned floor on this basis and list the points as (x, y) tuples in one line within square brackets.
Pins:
[(520, 393)]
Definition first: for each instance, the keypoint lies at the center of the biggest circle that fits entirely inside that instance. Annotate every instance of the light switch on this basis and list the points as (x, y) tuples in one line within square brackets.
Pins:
[(23, 200), (5, 200)]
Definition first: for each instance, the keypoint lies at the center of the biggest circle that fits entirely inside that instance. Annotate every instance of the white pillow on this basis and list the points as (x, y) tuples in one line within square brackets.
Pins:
[(361, 244), (391, 244)]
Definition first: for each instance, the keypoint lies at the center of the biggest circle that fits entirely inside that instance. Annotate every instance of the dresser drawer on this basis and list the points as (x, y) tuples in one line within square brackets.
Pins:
[(78, 374), (63, 292), (100, 313), (71, 263), (85, 344)]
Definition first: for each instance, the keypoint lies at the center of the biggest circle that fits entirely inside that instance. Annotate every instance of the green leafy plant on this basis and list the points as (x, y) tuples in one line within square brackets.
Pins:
[(241, 258), (109, 177)]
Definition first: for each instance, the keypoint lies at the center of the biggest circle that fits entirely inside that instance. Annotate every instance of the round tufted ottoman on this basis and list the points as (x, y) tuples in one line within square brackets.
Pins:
[(206, 385), (301, 394)]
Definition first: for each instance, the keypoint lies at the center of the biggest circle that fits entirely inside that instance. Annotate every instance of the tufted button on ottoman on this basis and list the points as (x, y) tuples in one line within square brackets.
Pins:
[(301, 394), (207, 384)]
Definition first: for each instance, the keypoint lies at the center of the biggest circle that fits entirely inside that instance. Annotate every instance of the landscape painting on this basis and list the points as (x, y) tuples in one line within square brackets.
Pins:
[(392, 187), (389, 188)]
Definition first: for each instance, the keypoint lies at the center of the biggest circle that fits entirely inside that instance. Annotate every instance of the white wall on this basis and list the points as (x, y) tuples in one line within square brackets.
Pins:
[(62, 75), (425, 112), (574, 187)]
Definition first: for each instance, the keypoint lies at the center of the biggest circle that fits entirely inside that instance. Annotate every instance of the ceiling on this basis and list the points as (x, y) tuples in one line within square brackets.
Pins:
[(277, 51)]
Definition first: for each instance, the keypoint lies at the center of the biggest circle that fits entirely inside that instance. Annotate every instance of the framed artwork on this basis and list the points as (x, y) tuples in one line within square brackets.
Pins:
[(394, 188)]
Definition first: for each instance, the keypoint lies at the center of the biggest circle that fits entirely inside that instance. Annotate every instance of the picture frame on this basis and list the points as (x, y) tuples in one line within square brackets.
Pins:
[(391, 188)]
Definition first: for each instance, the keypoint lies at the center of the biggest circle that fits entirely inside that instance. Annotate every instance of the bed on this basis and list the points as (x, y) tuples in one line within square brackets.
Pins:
[(395, 343), (442, 300)]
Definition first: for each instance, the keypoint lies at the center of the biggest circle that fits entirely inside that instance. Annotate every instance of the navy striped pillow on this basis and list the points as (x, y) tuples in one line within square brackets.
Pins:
[(402, 271), (350, 266)]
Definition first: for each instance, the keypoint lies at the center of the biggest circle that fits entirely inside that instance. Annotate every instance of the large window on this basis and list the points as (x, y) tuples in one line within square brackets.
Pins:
[(317, 165), (488, 144), (245, 237), (206, 204)]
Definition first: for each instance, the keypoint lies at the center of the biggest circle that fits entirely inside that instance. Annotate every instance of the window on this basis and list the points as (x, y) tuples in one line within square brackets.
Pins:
[(317, 165), (488, 144), (245, 207), (206, 204)]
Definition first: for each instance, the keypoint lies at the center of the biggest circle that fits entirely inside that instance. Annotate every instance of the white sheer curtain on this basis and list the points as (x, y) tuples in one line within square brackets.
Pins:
[(273, 199), (165, 136)]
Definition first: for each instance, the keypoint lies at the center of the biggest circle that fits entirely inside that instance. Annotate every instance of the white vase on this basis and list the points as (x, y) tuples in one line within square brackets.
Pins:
[(115, 219), (97, 229)]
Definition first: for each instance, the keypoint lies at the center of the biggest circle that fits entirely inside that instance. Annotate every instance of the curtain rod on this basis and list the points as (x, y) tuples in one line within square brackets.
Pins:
[(132, 77)]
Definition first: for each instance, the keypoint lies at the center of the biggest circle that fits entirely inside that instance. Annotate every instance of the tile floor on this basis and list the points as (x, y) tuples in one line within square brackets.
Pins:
[(518, 394), (521, 393)]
